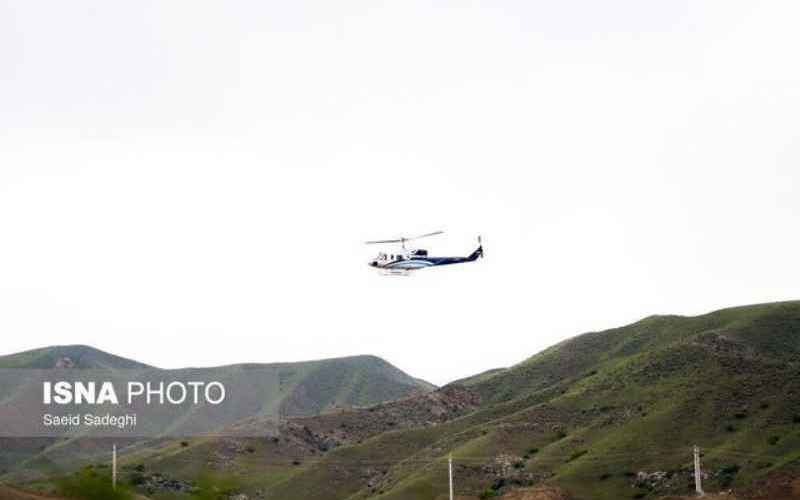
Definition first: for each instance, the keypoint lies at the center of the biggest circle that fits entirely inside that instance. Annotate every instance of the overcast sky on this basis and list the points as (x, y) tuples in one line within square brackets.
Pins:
[(190, 183)]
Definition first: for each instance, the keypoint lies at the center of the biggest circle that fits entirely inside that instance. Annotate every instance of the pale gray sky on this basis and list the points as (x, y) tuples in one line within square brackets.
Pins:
[(189, 183)]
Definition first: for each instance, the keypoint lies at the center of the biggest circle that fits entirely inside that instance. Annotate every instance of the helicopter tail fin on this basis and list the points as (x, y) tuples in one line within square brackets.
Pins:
[(478, 251)]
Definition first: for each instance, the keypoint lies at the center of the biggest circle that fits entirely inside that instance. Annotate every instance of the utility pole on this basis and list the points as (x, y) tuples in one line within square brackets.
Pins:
[(698, 484), (450, 473), (114, 466)]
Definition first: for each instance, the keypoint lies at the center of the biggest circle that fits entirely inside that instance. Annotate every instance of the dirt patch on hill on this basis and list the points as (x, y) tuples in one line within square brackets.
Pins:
[(538, 493), (9, 493), (14, 493), (705, 497), (535, 493), (777, 487)]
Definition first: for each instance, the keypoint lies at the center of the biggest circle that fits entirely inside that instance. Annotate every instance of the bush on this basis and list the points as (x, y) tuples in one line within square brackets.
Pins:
[(727, 474), (773, 440), (530, 453), (577, 455), (184, 443), (730, 428), (561, 435), (729, 470), (488, 493), (796, 419), (137, 478), (89, 485)]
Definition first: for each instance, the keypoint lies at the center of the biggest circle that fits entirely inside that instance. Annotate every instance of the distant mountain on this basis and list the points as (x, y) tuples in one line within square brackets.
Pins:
[(273, 390), (307, 387), (68, 356), (603, 416)]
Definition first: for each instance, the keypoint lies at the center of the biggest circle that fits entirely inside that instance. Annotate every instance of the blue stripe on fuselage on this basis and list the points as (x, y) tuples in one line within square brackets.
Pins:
[(429, 262)]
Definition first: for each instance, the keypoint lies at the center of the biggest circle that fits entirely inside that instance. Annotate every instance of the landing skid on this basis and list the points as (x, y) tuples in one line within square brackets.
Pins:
[(395, 272)]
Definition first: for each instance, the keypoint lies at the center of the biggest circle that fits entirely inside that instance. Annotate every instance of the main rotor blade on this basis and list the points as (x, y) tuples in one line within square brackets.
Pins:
[(425, 235), (383, 241), (403, 240)]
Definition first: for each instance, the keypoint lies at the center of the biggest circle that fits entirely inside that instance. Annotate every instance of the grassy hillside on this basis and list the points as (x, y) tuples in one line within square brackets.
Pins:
[(313, 387), (605, 415), (285, 389)]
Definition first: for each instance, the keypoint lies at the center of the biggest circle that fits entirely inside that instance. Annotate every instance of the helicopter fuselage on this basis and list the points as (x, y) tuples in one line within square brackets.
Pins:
[(419, 259)]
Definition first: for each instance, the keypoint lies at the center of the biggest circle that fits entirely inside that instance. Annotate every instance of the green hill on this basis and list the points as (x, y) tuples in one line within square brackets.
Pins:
[(605, 415), (307, 387), (278, 389)]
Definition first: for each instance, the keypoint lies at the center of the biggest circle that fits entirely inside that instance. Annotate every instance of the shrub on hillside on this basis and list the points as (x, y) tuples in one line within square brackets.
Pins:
[(577, 455), (727, 475), (530, 453), (87, 484), (729, 470), (137, 478)]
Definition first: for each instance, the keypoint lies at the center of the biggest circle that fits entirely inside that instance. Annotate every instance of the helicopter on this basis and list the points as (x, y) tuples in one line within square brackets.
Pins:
[(406, 260)]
